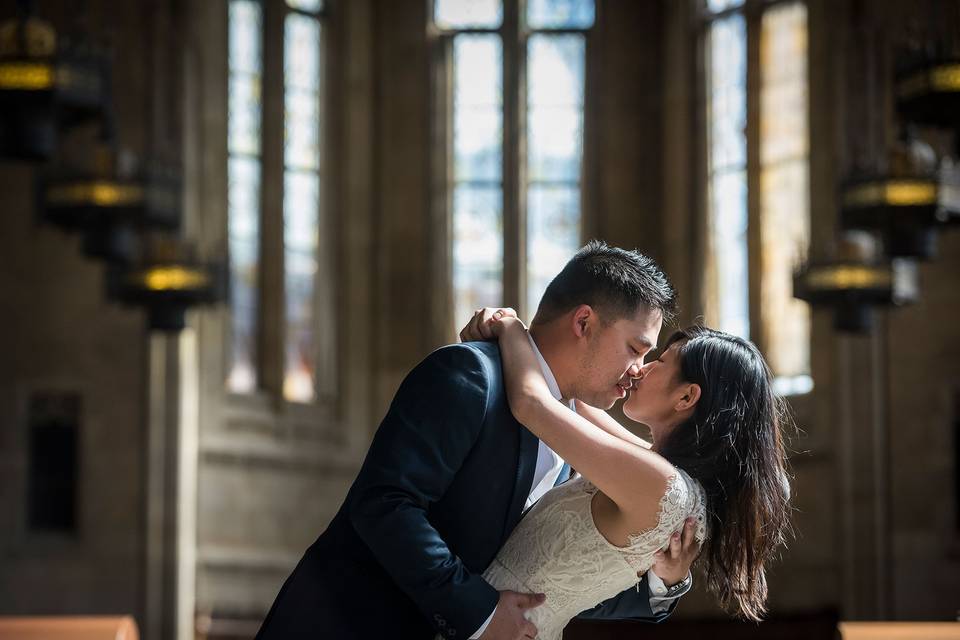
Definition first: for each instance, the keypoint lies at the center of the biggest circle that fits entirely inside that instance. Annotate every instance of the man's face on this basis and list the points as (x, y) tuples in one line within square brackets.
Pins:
[(613, 354)]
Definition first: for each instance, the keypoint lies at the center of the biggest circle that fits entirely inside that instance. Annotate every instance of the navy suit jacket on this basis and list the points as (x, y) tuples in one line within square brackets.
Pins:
[(442, 486)]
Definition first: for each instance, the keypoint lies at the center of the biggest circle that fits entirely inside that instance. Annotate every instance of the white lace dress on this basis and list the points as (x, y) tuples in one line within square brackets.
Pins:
[(557, 550)]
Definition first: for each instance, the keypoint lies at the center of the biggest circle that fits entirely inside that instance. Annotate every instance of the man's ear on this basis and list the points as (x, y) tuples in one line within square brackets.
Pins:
[(691, 395), (583, 319)]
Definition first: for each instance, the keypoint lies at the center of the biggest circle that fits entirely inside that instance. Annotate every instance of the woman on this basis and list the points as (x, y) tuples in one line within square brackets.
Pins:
[(717, 455)]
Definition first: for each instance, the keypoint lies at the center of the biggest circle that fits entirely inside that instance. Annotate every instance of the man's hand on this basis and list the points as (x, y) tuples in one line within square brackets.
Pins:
[(479, 327), (508, 621), (673, 565)]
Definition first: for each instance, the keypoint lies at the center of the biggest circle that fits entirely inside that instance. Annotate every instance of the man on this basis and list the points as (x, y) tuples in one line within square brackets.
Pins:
[(450, 473)]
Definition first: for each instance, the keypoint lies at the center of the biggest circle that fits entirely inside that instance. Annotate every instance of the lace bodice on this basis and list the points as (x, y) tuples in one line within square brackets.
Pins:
[(557, 550)]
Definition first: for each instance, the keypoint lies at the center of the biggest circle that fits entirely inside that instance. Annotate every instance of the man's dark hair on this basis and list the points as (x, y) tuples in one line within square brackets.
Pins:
[(614, 281)]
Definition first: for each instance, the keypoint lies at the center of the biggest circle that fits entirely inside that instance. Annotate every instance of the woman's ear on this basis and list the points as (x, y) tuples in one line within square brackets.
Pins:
[(691, 395)]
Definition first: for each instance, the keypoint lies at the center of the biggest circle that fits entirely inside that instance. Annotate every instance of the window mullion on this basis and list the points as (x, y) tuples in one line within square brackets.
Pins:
[(441, 132), (324, 313), (272, 274), (754, 17), (514, 240)]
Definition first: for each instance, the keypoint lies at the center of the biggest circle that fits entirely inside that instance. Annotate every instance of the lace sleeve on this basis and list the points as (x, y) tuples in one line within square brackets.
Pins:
[(682, 498)]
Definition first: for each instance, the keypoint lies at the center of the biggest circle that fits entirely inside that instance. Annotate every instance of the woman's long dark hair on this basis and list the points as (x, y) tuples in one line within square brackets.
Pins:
[(733, 445)]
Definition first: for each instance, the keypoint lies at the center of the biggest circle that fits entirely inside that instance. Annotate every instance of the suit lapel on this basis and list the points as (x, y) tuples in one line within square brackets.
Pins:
[(526, 464)]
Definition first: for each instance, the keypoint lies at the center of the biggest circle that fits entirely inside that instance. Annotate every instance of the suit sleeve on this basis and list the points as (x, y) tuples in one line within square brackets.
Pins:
[(632, 604), (429, 430)]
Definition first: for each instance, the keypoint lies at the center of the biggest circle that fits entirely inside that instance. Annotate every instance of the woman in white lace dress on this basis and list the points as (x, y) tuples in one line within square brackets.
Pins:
[(717, 455)]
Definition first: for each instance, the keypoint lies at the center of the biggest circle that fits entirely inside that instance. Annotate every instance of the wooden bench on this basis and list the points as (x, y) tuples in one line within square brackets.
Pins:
[(68, 628), (900, 630)]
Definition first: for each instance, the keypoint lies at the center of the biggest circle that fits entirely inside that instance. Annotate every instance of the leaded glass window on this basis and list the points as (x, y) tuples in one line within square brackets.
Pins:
[(477, 172), (560, 14), (555, 66), (296, 189), (244, 168), (727, 171), (301, 195), (718, 6), (784, 192), (781, 212), (490, 40), (468, 14)]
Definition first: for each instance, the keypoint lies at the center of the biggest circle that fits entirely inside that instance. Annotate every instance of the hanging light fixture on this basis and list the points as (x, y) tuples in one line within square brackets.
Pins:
[(45, 85), (908, 203), (166, 281), (165, 276), (928, 92), (927, 75), (856, 283), (111, 205), (114, 198)]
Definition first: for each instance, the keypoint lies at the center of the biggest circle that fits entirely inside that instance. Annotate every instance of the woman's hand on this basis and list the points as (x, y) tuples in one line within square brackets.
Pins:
[(486, 324)]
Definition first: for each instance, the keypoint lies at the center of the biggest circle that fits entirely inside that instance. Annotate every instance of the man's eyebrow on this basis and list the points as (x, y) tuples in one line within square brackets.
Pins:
[(645, 342)]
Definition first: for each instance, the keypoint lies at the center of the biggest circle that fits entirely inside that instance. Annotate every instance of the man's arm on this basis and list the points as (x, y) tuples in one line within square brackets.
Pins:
[(606, 422), (632, 604), (432, 425), (656, 595)]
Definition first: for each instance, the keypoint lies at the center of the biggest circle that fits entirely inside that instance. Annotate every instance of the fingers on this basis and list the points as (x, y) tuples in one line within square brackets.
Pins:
[(675, 545), (491, 316), (530, 600), (474, 329), (466, 334), (499, 320), (689, 539), (481, 319), (482, 325), (530, 630)]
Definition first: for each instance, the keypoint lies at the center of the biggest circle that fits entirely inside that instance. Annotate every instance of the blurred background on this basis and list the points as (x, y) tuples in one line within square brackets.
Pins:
[(230, 227)]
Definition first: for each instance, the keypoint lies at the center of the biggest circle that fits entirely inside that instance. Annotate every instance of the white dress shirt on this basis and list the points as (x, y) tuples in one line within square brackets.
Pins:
[(549, 465)]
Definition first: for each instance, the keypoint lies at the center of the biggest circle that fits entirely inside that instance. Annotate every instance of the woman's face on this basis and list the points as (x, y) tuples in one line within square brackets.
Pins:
[(657, 392)]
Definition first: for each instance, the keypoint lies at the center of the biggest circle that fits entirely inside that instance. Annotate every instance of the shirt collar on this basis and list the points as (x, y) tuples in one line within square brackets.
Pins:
[(547, 373)]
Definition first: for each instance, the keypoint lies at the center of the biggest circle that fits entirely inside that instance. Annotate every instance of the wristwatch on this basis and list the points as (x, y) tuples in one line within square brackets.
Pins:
[(679, 589)]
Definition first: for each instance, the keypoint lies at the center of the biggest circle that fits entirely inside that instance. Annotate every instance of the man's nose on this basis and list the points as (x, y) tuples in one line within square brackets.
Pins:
[(635, 370), (642, 370)]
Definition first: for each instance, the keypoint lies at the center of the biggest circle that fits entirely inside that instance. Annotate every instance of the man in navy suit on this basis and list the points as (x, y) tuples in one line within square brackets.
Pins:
[(450, 472)]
